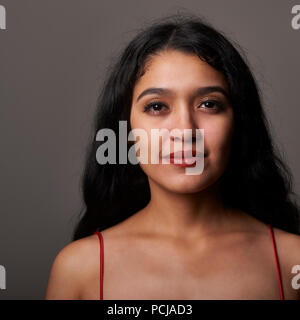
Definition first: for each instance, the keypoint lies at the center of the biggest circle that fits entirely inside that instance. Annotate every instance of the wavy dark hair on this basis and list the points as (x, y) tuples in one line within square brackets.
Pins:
[(256, 179)]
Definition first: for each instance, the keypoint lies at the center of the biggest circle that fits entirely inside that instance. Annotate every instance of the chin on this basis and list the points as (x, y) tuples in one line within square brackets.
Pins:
[(187, 184)]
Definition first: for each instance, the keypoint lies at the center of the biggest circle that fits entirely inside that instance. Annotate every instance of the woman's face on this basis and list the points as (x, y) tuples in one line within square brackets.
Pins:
[(183, 106)]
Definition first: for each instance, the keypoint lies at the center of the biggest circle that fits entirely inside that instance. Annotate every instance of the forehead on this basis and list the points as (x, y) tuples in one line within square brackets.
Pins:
[(179, 72)]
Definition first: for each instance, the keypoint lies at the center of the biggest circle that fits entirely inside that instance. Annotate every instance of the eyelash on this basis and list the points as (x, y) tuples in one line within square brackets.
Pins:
[(220, 106)]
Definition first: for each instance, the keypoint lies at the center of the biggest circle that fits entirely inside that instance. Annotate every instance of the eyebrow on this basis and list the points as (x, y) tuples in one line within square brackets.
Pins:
[(199, 91)]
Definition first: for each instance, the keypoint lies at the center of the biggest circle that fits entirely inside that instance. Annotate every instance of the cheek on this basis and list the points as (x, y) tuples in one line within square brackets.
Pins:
[(144, 143), (218, 136)]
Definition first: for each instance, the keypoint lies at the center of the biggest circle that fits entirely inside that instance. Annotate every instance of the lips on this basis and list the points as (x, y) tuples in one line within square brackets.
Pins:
[(181, 158), (182, 154)]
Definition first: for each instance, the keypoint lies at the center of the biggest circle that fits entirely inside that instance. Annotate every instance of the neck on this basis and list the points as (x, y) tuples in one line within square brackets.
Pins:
[(189, 215)]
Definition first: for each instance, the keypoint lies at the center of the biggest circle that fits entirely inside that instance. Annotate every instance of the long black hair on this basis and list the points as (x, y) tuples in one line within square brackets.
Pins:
[(256, 179)]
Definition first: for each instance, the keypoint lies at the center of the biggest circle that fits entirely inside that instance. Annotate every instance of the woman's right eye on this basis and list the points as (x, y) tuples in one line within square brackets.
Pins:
[(155, 107)]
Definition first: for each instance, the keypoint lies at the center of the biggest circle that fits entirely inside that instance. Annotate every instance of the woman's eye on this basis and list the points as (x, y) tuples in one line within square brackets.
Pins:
[(212, 104), (155, 107)]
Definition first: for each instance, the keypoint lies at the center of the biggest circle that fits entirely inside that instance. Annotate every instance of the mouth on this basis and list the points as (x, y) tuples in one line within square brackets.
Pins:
[(180, 159)]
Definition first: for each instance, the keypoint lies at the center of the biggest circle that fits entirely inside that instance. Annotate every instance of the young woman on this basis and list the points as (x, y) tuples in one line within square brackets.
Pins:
[(150, 231)]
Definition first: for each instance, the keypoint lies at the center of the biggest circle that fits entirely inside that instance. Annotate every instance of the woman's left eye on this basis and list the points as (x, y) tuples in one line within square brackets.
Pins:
[(212, 104)]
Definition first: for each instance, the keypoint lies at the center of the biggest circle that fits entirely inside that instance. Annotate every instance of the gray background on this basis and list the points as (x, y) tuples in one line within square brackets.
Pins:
[(53, 57)]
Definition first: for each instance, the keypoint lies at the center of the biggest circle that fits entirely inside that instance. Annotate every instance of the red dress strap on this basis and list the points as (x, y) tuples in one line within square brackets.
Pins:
[(277, 263), (101, 262)]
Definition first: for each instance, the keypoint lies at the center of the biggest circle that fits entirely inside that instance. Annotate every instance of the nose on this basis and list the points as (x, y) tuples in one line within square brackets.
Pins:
[(185, 124)]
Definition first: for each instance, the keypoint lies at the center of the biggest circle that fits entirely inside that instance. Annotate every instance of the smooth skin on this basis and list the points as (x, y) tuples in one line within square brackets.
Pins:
[(184, 244)]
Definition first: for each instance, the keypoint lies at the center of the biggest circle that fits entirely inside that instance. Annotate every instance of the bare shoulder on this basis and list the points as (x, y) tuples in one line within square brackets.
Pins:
[(288, 249), (71, 267), (289, 245), (76, 266)]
